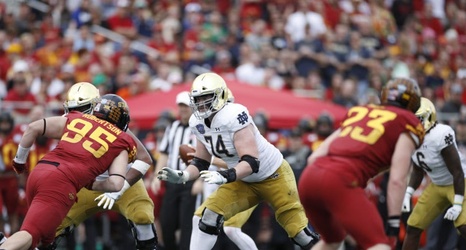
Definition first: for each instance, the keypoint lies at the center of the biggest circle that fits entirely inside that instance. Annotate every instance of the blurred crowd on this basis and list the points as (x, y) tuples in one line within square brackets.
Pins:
[(340, 51)]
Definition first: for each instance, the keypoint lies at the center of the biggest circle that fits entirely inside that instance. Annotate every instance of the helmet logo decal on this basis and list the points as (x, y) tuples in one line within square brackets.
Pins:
[(405, 96), (200, 128)]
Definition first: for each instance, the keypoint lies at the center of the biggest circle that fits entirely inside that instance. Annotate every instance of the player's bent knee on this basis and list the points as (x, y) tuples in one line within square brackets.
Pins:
[(306, 239), (141, 217), (210, 222)]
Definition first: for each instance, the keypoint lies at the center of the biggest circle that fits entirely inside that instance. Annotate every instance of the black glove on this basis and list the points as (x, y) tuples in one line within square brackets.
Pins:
[(392, 230), (19, 167)]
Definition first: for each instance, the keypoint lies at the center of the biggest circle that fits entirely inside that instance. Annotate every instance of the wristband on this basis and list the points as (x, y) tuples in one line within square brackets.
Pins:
[(410, 190), (229, 174), (22, 155), (125, 187), (393, 226), (140, 166), (394, 221), (458, 200)]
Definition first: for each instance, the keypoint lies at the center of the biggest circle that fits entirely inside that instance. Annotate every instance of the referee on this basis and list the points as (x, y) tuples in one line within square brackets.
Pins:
[(179, 202)]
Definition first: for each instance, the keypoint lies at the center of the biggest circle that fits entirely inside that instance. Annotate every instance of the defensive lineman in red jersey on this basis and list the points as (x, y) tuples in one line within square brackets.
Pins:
[(88, 146), (370, 140)]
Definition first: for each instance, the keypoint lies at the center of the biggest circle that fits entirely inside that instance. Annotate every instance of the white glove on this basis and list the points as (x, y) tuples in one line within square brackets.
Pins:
[(407, 200), (173, 176), (213, 177), (453, 212), (109, 198)]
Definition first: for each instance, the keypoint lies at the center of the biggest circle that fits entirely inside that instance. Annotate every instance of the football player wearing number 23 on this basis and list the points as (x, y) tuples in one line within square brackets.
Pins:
[(370, 140), (439, 158), (88, 146), (256, 169)]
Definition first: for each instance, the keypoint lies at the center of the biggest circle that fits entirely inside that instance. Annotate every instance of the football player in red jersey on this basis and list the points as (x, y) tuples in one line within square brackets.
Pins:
[(132, 201), (8, 180), (89, 145), (370, 140)]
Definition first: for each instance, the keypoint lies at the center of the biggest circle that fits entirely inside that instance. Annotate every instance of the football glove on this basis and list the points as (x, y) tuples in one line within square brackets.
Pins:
[(19, 167), (213, 177), (173, 176), (407, 200), (108, 199), (453, 212)]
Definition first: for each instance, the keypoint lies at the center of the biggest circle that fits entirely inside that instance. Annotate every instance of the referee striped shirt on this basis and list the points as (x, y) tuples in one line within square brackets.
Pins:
[(175, 135)]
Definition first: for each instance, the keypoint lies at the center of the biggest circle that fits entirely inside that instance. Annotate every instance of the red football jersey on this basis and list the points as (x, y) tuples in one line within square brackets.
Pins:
[(88, 147), (367, 141)]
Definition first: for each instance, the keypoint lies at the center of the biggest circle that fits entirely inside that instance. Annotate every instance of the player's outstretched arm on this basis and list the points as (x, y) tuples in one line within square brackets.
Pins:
[(397, 183), (137, 170), (246, 147), (200, 162), (417, 174), (452, 160), (116, 179), (51, 127), (142, 163), (399, 170)]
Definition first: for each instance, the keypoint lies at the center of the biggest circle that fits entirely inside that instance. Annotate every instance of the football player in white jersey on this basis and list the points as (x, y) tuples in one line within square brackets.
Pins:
[(256, 169), (440, 159), (231, 227)]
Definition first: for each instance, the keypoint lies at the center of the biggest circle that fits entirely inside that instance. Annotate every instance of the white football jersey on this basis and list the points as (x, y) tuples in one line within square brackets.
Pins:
[(428, 156), (218, 140)]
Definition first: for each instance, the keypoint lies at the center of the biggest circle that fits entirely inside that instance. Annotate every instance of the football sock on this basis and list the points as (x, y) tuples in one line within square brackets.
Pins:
[(242, 240)]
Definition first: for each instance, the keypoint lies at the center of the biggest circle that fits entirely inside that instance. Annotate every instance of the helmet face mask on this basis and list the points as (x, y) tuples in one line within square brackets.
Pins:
[(208, 95), (402, 92), (113, 109), (83, 97), (427, 114)]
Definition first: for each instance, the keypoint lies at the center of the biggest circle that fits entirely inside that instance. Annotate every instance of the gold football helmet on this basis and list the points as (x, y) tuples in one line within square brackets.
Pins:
[(209, 94), (402, 92), (82, 96), (230, 96), (427, 114)]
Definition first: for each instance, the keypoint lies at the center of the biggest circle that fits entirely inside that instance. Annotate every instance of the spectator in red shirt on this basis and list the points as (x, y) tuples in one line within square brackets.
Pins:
[(332, 13), (121, 21), (428, 20), (19, 99)]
